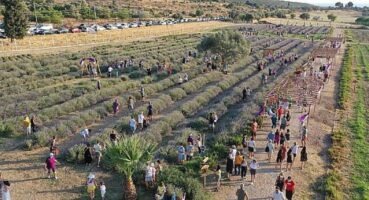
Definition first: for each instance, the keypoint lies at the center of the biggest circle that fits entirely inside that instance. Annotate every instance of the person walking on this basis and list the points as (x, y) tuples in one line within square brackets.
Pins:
[(181, 154), (230, 163), (150, 111), (219, 176), (88, 155), (115, 106), (131, 103), (50, 165), (278, 195), (53, 144), (142, 92), (132, 124), (140, 120), (237, 163), (295, 150), (274, 120), (270, 150), (288, 136), (189, 151), (91, 186), (303, 157), (282, 139), (304, 133), (271, 136), (280, 112), (254, 128), (5, 190), (279, 183), (27, 125), (102, 190), (241, 193), (251, 147), (243, 168), (244, 94), (85, 133), (290, 188), (33, 124), (254, 165), (283, 123), (98, 152), (276, 139), (148, 176), (289, 160)]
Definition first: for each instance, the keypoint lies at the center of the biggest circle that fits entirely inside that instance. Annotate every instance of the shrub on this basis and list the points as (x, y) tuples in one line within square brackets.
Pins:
[(6, 130), (76, 153), (191, 186)]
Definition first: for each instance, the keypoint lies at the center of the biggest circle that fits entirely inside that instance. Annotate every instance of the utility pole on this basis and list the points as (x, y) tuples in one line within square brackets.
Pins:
[(95, 12), (34, 11)]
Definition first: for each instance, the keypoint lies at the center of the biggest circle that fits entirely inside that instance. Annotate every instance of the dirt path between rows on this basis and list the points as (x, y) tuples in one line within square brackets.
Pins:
[(308, 180)]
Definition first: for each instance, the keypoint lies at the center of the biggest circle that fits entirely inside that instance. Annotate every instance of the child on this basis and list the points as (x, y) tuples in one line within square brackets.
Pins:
[(102, 190)]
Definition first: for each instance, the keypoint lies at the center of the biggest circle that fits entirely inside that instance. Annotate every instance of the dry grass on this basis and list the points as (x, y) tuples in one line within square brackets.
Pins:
[(343, 16), (300, 22), (70, 41)]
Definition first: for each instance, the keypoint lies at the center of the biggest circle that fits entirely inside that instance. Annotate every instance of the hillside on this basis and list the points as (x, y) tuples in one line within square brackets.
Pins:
[(278, 3)]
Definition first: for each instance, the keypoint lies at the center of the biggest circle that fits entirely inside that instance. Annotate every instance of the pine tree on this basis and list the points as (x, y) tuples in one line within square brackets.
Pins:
[(15, 18)]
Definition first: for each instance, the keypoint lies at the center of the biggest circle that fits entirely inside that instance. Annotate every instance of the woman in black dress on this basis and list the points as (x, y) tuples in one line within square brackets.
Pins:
[(279, 159), (303, 157), (289, 160), (150, 111), (280, 182), (88, 155), (229, 167)]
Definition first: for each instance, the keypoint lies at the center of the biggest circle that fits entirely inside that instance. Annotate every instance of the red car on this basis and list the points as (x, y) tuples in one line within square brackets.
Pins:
[(75, 30)]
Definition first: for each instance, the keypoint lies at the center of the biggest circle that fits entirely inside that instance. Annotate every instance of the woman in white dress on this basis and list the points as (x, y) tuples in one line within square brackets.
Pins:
[(5, 190)]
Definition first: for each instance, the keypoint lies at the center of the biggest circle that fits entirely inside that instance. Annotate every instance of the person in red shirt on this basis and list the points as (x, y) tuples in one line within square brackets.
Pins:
[(290, 187), (280, 112)]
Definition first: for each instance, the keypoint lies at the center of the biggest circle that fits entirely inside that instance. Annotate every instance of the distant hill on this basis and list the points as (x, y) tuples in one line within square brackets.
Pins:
[(277, 3)]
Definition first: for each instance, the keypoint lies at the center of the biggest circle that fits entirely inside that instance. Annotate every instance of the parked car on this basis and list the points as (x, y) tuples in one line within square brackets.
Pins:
[(44, 32), (2, 35), (110, 27), (62, 30), (75, 30), (97, 27), (163, 23), (133, 25), (124, 26)]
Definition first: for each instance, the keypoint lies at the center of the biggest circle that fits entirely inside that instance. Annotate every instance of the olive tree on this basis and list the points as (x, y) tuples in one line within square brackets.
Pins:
[(228, 45)]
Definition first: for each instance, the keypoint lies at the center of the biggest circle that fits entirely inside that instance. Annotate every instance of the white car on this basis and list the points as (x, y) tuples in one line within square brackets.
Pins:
[(98, 28), (163, 23), (110, 27), (133, 25)]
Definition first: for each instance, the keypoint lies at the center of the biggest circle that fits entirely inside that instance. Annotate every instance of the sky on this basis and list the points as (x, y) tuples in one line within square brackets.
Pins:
[(332, 2)]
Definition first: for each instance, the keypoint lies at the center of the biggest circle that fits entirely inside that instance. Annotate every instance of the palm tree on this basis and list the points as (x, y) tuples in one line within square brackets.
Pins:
[(127, 157)]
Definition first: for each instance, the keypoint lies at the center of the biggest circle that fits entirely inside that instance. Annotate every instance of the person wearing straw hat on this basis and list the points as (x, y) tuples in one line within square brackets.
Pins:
[(91, 185), (50, 165)]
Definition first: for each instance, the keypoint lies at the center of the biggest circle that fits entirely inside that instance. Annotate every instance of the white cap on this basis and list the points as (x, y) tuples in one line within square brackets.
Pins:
[(51, 154), (91, 176)]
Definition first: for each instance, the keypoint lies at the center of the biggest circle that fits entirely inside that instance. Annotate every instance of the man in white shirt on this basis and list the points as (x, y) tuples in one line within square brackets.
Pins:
[(98, 154), (141, 118), (278, 195), (85, 133), (295, 150), (110, 69)]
